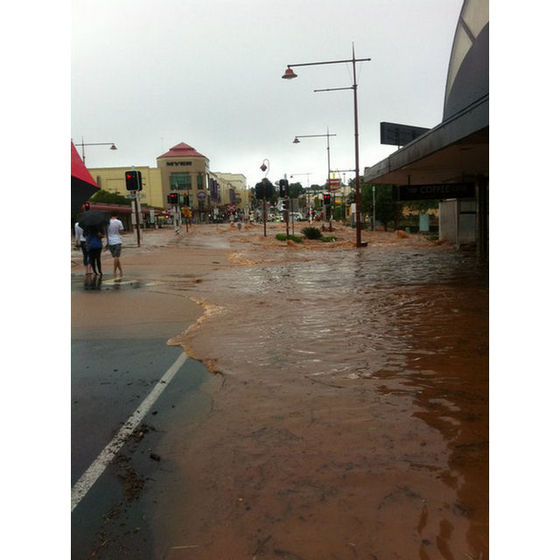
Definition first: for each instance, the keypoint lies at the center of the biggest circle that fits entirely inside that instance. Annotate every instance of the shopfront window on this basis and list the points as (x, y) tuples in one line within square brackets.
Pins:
[(180, 182), (199, 184)]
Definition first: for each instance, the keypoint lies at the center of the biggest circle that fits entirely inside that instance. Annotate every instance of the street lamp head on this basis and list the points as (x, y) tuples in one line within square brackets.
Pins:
[(113, 147), (289, 74), (296, 140), (263, 167)]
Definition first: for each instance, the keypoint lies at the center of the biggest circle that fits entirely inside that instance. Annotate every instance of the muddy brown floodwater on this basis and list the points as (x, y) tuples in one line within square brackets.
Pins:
[(352, 416)]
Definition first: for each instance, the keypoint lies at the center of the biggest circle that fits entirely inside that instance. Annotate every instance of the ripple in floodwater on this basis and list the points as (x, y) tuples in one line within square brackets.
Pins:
[(407, 328)]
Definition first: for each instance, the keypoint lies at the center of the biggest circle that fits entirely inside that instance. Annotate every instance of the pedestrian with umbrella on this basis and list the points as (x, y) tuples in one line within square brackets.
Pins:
[(94, 223), (81, 244)]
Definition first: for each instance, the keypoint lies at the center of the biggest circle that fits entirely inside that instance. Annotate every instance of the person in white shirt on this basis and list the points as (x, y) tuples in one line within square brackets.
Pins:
[(114, 241), (81, 243)]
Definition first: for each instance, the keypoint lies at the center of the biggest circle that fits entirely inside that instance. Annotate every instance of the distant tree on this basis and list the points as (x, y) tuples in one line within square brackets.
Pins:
[(273, 194), (366, 197), (109, 198), (296, 190), (267, 190), (387, 210)]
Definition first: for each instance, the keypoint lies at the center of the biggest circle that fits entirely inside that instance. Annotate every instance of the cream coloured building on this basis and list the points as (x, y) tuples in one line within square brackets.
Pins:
[(233, 189), (111, 179), (184, 170)]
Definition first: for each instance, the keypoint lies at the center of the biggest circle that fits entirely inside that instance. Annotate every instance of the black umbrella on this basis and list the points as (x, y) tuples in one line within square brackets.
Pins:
[(93, 219)]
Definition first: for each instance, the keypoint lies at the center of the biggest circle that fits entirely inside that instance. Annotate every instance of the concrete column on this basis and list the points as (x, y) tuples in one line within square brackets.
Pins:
[(482, 233)]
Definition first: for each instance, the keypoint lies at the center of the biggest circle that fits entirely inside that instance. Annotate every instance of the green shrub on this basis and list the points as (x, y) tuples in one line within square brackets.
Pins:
[(328, 238), (295, 238), (312, 232)]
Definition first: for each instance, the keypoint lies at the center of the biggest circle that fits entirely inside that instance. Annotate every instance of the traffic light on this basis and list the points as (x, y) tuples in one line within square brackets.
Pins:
[(86, 206), (133, 180), (327, 199), (187, 200), (268, 188), (285, 204), (283, 183), (173, 198)]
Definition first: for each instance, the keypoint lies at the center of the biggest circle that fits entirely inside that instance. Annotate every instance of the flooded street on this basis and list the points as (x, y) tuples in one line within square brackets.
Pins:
[(352, 419)]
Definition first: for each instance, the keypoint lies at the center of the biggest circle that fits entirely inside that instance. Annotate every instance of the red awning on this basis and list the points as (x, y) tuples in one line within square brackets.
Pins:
[(78, 168), (82, 185)]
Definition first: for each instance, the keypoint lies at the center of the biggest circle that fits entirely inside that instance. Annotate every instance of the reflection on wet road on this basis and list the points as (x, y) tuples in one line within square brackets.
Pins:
[(404, 331)]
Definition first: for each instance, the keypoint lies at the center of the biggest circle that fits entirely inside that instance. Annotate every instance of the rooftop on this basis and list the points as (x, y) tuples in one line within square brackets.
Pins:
[(181, 150)]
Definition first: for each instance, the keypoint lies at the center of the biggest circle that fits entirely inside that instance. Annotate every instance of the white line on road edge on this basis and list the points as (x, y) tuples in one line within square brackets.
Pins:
[(96, 469)]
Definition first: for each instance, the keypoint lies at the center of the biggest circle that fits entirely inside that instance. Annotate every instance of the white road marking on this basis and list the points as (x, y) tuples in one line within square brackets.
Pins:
[(96, 469)]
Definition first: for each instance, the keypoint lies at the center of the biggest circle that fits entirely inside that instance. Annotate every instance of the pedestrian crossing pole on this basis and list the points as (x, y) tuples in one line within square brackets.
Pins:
[(137, 219), (136, 211)]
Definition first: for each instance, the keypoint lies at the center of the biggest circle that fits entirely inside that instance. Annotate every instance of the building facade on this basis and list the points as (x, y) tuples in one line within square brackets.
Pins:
[(233, 190), (111, 179), (183, 170), (453, 157)]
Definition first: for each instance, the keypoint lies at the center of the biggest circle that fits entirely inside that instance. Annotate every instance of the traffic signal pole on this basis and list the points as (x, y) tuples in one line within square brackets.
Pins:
[(286, 218), (292, 213), (137, 217), (133, 183)]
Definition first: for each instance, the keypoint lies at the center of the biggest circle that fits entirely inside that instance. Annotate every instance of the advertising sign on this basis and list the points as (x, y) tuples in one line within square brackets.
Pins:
[(433, 192), (399, 134)]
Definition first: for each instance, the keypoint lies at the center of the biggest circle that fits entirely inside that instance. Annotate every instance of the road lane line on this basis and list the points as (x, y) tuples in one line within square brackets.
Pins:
[(96, 469)]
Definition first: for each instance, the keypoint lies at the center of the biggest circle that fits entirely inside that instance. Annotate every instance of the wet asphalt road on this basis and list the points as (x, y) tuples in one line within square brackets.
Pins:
[(110, 379)]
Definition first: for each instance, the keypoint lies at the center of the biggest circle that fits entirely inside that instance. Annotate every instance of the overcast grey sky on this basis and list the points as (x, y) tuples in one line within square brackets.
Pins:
[(148, 75)]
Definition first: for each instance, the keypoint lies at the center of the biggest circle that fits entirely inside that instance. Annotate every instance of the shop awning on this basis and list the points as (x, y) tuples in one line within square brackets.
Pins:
[(82, 185), (454, 151)]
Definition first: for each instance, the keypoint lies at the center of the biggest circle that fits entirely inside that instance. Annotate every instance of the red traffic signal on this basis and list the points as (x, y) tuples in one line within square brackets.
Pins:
[(173, 198), (133, 180), (327, 199), (86, 206)]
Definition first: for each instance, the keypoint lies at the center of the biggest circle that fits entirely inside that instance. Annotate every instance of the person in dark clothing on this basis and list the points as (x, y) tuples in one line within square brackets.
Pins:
[(81, 244), (94, 245)]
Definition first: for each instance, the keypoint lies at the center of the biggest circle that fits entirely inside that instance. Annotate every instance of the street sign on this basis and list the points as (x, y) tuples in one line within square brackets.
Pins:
[(433, 192), (399, 134), (333, 184)]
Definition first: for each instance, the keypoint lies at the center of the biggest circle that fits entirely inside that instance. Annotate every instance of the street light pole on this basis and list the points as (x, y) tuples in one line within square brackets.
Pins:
[(264, 168), (308, 196), (327, 135), (82, 144), (290, 74)]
